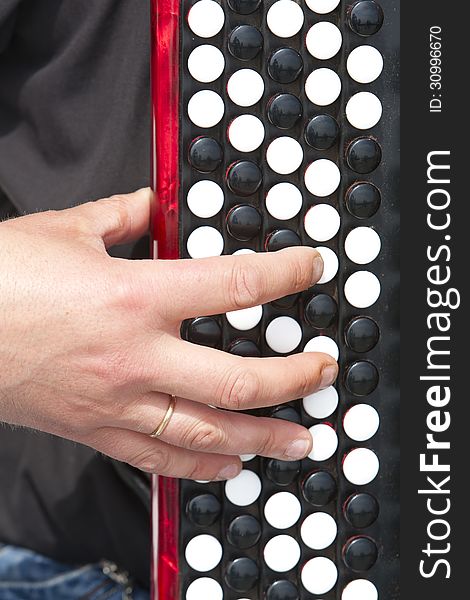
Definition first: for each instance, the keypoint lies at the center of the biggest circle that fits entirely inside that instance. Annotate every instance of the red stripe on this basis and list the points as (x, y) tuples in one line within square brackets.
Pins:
[(165, 105)]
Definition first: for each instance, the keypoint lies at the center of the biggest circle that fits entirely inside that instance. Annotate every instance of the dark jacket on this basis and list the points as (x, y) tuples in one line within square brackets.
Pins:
[(74, 126)]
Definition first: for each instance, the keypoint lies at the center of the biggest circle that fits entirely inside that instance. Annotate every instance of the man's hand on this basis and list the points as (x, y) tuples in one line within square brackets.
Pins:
[(90, 345)]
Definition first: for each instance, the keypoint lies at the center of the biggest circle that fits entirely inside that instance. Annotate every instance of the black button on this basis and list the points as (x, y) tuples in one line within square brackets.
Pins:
[(205, 154), (242, 574), (363, 200), (244, 532), (360, 554), (203, 510), (366, 17), (364, 155), (286, 413), (362, 334), (284, 110), (362, 378), (244, 222), (361, 510), (245, 348), (204, 331), (322, 132), (319, 488), (286, 302), (245, 42), (285, 65), (244, 7), (321, 311), (282, 590), (282, 472), (282, 238), (244, 178)]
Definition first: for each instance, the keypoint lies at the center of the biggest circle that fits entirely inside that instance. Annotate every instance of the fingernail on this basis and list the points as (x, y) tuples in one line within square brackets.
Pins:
[(328, 376), (298, 448), (229, 472), (317, 269)]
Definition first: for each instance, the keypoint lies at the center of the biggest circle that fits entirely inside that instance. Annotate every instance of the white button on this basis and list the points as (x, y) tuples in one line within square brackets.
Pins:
[(284, 201), (361, 422), (323, 87), (323, 343), (206, 588), (206, 63), (285, 18), (324, 40), (206, 108), (244, 489), (246, 318), (247, 457), (364, 110), (245, 87), (362, 289), (330, 264), (365, 64), (319, 575), (361, 466), (319, 531), (322, 7), (243, 251), (206, 18), (322, 404), (205, 199), (284, 155), (360, 589), (325, 442), (204, 242), (362, 245), (246, 133), (322, 222), (282, 510), (282, 553), (203, 553), (322, 177), (283, 335)]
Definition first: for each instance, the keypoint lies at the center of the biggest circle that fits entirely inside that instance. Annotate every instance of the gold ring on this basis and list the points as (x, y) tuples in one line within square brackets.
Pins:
[(166, 419)]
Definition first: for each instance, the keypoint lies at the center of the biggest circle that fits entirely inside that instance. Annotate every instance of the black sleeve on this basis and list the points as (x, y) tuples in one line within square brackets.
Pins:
[(8, 14)]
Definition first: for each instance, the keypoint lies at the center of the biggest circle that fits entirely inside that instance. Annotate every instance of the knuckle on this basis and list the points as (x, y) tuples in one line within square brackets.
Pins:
[(197, 471), (121, 214), (266, 443), (126, 295), (204, 437), (296, 378), (246, 286), (113, 372), (77, 219), (74, 220), (152, 460), (242, 389), (129, 292), (300, 270), (307, 380)]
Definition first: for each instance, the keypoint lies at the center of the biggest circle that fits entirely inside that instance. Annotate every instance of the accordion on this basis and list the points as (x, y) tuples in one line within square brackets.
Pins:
[(276, 124)]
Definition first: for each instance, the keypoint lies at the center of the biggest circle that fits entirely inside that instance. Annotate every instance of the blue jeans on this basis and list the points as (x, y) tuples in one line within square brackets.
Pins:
[(25, 575)]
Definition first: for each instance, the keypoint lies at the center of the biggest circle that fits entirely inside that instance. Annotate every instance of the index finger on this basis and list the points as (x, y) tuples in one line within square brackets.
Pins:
[(208, 286)]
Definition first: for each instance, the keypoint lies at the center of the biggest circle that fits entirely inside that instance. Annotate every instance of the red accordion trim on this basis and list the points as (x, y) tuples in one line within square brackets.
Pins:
[(165, 176)]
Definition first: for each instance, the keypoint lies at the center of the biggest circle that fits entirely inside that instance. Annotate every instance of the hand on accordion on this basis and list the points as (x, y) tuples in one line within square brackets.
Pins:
[(92, 350)]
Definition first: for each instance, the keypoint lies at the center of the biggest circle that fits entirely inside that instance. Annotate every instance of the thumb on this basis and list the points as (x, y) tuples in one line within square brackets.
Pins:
[(119, 219)]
